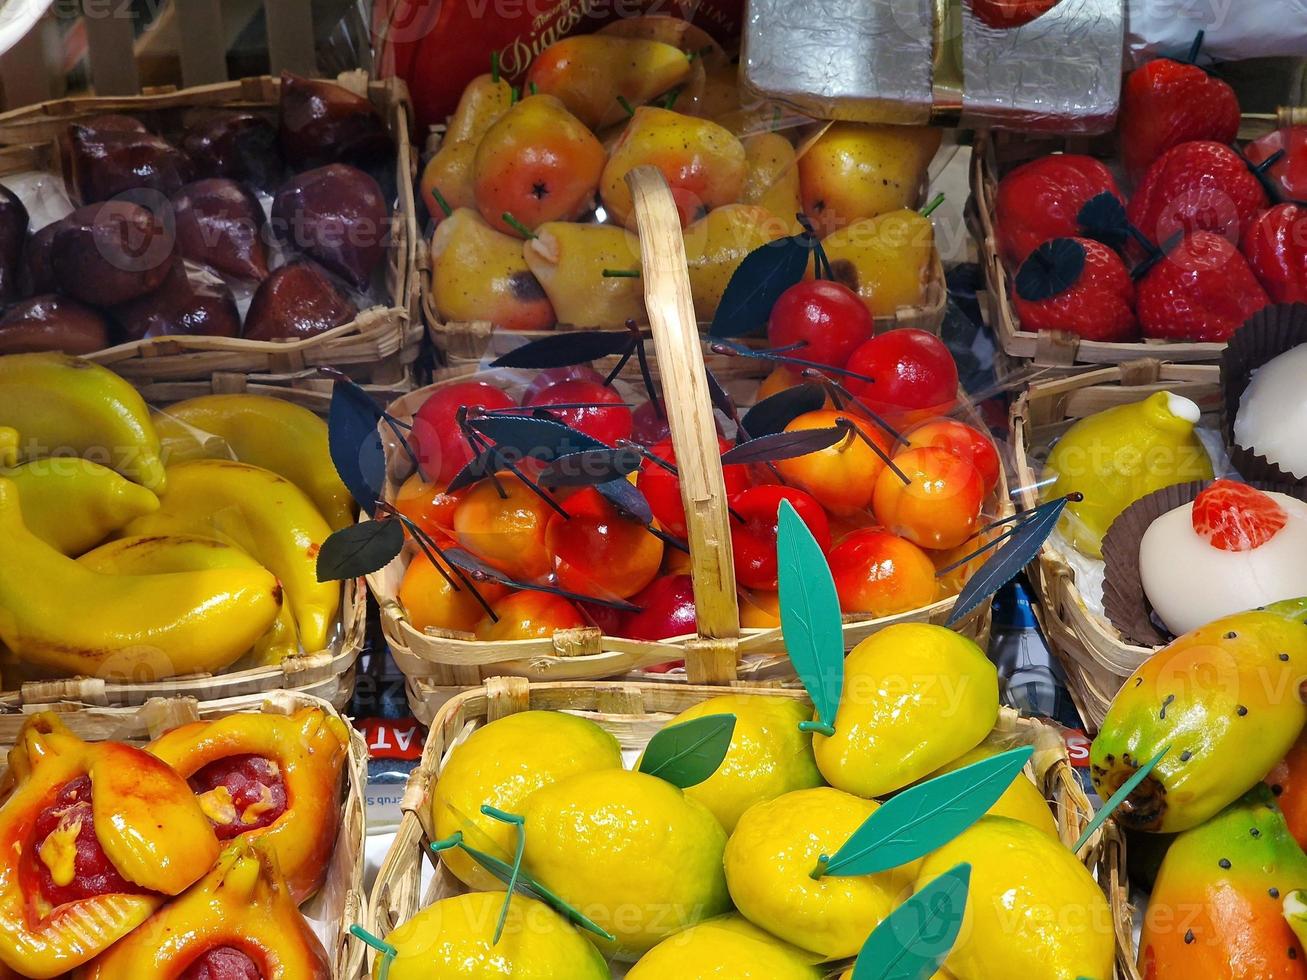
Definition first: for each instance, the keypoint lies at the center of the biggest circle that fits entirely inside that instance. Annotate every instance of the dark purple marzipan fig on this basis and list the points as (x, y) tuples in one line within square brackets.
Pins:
[(13, 236), (106, 254), (52, 323), (337, 216), (37, 274), (190, 302), (295, 302), (238, 145), (114, 121), (108, 162), (219, 224), (322, 122)]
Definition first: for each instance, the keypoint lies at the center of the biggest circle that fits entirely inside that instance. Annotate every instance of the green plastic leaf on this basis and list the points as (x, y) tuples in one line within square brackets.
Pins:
[(687, 754), (913, 942), (926, 817), (810, 614), (1119, 797), (359, 549)]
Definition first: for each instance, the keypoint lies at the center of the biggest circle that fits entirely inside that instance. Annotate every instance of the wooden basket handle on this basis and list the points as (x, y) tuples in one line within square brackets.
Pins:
[(1288, 116), (668, 300)]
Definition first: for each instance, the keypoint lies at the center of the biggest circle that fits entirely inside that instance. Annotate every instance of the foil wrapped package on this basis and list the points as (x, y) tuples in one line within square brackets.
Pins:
[(919, 62)]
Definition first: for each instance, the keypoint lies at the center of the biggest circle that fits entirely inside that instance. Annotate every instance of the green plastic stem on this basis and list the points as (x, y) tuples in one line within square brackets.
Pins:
[(387, 951), (494, 67), (817, 873), (440, 199), (933, 206), (516, 225), (621, 273), (818, 727)]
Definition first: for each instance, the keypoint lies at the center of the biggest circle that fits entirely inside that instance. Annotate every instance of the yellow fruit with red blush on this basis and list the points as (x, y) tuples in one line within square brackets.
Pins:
[(598, 551), (508, 532), (529, 616), (963, 441), (939, 505), (843, 476), (432, 601), (881, 574)]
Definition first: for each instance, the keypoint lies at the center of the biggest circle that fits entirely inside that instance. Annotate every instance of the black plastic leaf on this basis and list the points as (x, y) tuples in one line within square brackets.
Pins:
[(482, 465), (478, 569), (359, 549), (784, 445), (590, 467), (1053, 268), (1103, 219), (719, 395), (1023, 544), (567, 349), (757, 284), (627, 498), (774, 413), (522, 436), (355, 443)]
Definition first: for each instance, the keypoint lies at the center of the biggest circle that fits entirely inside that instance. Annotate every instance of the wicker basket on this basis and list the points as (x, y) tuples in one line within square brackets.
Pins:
[(342, 900), (1096, 658), (438, 665), (379, 346), (996, 153), (326, 674), (634, 713)]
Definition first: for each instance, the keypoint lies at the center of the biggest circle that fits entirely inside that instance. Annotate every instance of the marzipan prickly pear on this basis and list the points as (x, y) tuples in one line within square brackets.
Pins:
[(1216, 910), (1225, 699)]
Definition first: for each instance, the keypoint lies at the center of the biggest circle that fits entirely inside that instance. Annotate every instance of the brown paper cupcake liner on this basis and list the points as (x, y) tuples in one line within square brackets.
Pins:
[(1124, 603), (1267, 334)]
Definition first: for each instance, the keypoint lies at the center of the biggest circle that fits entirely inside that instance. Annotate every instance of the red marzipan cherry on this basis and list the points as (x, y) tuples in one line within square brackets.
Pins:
[(608, 421), (666, 610), (914, 375), (753, 540), (826, 317), (436, 439), (663, 489)]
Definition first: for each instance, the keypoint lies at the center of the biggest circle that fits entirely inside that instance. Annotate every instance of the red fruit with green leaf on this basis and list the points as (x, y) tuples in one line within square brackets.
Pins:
[(826, 318), (1199, 186), (436, 439), (1202, 290), (1166, 103), (1275, 246), (1077, 285), (1042, 200), (1217, 908)]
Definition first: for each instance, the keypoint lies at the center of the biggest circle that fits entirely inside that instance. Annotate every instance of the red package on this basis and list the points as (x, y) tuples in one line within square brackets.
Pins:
[(437, 47)]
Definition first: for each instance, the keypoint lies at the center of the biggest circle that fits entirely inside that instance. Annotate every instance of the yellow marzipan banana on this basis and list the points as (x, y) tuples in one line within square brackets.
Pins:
[(160, 554), (61, 404), (263, 514), (60, 615), (8, 446), (73, 504), (262, 431)]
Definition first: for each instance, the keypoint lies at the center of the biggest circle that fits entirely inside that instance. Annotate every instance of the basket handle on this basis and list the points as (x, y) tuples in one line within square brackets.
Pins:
[(670, 306)]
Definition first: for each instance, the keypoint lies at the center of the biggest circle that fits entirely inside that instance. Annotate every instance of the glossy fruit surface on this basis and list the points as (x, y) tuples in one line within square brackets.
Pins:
[(753, 540), (1200, 186), (506, 532), (1099, 301), (842, 476), (297, 301), (1166, 103), (1041, 200), (666, 610), (963, 441), (597, 551), (728, 946), (441, 448), (826, 317), (1202, 291), (1275, 246), (663, 488), (338, 216), (480, 273), (1236, 517), (431, 601), (940, 505), (529, 616), (881, 574), (1290, 173), (594, 409), (912, 371)]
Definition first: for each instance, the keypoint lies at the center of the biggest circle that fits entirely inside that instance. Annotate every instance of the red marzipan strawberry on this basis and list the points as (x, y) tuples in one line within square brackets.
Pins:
[(1041, 200), (1201, 186), (1079, 285), (1290, 173), (1006, 14), (1166, 103), (1276, 249), (1202, 291)]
